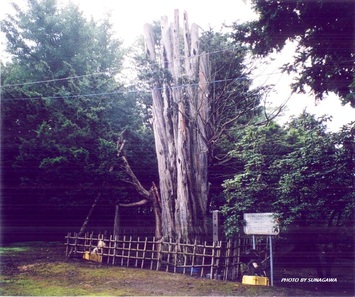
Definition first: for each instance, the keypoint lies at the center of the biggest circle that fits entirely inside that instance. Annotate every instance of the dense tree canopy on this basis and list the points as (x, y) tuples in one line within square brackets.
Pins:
[(301, 172), (62, 112), (324, 35)]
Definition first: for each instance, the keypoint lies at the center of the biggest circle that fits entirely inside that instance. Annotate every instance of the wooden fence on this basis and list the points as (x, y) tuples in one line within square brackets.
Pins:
[(218, 260)]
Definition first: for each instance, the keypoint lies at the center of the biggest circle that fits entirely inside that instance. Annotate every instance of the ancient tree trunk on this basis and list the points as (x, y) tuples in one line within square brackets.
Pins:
[(180, 109)]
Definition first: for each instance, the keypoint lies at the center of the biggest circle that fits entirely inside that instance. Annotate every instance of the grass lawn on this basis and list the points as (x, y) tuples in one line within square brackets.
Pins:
[(41, 269)]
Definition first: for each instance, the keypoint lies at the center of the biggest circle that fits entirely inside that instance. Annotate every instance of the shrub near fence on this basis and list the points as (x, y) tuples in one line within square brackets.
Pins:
[(218, 260)]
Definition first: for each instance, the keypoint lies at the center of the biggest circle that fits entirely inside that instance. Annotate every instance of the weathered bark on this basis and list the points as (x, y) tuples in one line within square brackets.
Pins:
[(157, 211), (180, 111)]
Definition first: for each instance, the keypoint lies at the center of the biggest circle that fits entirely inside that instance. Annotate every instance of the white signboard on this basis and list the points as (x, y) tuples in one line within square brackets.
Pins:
[(261, 224)]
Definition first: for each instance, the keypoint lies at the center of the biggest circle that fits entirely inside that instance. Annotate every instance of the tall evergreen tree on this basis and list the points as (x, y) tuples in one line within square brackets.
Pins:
[(62, 109)]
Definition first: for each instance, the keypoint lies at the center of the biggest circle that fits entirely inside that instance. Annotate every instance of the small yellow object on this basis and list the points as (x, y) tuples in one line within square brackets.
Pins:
[(255, 280), (92, 257), (86, 256)]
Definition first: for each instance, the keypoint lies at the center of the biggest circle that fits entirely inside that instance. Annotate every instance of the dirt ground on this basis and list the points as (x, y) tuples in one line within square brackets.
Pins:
[(41, 269)]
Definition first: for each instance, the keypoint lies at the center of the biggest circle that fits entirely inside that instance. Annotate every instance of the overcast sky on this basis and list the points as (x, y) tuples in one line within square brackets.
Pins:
[(129, 17)]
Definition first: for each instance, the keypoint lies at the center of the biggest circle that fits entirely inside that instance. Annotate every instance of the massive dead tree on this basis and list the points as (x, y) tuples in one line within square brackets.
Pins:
[(180, 111)]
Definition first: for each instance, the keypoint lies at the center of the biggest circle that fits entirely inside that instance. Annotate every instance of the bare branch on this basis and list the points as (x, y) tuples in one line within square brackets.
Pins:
[(120, 145), (276, 112), (138, 203), (155, 191), (134, 179)]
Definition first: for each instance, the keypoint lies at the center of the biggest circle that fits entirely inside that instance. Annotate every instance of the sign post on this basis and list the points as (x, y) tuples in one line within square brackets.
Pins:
[(215, 218), (271, 262), (262, 224)]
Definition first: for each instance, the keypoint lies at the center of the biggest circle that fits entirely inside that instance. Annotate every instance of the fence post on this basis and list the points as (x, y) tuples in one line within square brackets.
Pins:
[(75, 242), (203, 259), (227, 259), (176, 250), (159, 254), (238, 251), (218, 257), (168, 256), (123, 250), (144, 251), (129, 251), (193, 256), (212, 259), (137, 253), (67, 245), (152, 255), (114, 253)]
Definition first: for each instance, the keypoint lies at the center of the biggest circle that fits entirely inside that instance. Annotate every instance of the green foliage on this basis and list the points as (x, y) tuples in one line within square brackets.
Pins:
[(62, 108), (231, 94), (301, 172), (324, 35), (58, 41), (233, 104)]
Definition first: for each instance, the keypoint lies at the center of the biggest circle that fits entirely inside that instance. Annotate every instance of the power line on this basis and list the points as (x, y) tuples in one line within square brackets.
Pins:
[(73, 96), (99, 73), (133, 91), (53, 80)]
